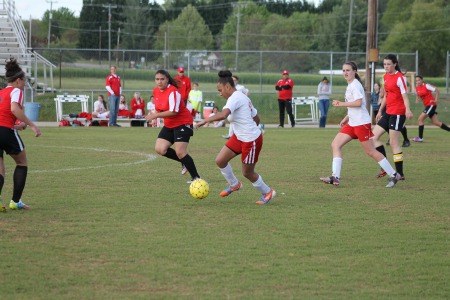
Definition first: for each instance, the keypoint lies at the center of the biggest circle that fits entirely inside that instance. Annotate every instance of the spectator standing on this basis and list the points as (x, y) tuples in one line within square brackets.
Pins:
[(375, 98), (137, 106), (11, 110), (285, 88), (100, 108), (324, 92), (184, 85), (424, 92), (178, 123), (196, 99), (114, 88)]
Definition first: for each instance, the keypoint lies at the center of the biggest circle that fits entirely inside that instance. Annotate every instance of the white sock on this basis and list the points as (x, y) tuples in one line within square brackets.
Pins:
[(227, 172), (336, 167), (261, 185), (386, 166)]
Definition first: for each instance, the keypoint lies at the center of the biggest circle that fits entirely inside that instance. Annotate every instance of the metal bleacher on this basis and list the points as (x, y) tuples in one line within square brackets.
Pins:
[(13, 43)]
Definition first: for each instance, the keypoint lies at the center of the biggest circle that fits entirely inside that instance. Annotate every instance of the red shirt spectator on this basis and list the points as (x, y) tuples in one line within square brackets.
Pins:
[(113, 85), (137, 103), (184, 84), (285, 87)]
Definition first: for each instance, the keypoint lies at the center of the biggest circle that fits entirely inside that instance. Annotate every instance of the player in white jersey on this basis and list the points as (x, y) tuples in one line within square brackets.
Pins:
[(355, 125), (246, 140)]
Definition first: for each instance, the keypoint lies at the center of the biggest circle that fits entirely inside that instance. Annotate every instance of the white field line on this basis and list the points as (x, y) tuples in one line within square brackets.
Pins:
[(147, 158)]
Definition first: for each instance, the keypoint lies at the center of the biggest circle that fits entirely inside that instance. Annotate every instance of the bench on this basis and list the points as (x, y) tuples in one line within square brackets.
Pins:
[(61, 99)]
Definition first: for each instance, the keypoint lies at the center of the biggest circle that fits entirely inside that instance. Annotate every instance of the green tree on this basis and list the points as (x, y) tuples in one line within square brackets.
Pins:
[(63, 19), (94, 15), (426, 30), (334, 27), (188, 31)]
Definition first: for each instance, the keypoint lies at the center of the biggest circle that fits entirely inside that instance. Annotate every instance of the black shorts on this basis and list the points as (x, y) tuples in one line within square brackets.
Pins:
[(10, 141), (392, 122), (430, 110), (181, 133)]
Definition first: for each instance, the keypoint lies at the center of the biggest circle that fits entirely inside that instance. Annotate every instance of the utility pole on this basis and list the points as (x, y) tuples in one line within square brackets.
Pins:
[(109, 6), (50, 21), (371, 46), (349, 30), (237, 33)]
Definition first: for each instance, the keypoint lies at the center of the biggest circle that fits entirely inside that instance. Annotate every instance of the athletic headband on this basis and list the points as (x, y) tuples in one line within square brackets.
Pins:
[(18, 74), (354, 66)]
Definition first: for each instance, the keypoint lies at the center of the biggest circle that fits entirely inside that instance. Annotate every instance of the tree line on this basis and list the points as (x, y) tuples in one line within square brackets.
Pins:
[(271, 25)]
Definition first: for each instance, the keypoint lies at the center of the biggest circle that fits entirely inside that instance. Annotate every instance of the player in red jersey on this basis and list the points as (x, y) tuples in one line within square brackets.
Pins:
[(178, 122), (12, 118), (425, 91), (397, 110)]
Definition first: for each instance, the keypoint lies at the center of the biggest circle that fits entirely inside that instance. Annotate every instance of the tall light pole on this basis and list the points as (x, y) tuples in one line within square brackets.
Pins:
[(50, 21), (109, 6)]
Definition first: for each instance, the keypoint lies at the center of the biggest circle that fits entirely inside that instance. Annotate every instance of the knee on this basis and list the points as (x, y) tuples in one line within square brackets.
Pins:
[(160, 150)]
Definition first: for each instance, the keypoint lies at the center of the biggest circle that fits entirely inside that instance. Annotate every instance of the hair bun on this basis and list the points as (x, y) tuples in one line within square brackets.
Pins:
[(225, 73)]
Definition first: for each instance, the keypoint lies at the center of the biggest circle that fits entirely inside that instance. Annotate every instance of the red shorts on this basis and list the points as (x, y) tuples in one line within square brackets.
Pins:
[(249, 150), (362, 132)]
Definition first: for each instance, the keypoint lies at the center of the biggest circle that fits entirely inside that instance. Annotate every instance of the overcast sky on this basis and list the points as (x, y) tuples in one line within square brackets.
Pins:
[(37, 8)]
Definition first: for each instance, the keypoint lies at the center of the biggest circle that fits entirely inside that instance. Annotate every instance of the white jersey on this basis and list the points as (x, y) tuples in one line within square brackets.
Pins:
[(357, 115), (241, 89), (241, 117)]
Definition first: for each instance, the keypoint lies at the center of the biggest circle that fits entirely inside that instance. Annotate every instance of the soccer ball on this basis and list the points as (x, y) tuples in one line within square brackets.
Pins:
[(199, 189)]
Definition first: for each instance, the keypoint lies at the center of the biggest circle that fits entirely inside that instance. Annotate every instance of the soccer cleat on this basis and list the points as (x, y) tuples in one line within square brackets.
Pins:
[(393, 180), (402, 177), (18, 205), (227, 137), (381, 174), (331, 180), (280, 126), (230, 189), (192, 179), (3, 207), (265, 198), (417, 139), (406, 143), (388, 143), (183, 169)]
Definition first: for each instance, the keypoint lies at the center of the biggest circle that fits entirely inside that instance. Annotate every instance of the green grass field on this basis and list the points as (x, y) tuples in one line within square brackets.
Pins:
[(111, 220)]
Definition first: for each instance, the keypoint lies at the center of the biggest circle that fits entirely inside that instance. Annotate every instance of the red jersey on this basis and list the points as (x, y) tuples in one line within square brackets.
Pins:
[(8, 95), (425, 93), (114, 82), (170, 100), (184, 86), (395, 87), (285, 94)]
